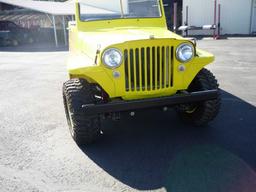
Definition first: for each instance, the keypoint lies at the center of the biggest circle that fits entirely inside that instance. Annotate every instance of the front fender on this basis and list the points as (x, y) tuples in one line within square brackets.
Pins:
[(81, 66), (202, 59)]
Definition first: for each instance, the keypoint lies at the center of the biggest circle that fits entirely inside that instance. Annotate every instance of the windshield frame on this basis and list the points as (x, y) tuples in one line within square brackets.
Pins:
[(161, 14)]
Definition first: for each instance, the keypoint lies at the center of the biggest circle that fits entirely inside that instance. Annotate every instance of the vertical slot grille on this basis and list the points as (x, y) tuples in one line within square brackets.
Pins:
[(148, 68)]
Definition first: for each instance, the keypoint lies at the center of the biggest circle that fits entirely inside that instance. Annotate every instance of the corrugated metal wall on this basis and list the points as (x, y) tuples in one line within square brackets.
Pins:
[(235, 15)]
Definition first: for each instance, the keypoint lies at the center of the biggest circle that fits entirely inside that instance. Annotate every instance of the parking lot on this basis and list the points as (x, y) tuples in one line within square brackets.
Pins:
[(153, 151)]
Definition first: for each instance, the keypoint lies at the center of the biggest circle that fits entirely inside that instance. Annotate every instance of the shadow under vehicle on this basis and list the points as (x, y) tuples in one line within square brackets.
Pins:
[(153, 150)]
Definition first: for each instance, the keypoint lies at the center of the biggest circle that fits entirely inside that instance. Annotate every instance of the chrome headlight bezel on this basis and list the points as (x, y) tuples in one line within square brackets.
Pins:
[(106, 54), (182, 47)]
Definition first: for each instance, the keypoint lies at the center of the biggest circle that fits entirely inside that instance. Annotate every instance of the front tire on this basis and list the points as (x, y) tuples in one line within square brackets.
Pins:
[(201, 113), (84, 129)]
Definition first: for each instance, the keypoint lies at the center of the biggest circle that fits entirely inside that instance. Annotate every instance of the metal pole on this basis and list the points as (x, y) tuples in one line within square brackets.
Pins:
[(186, 24), (215, 18), (55, 31), (175, 17), (252, 14), (122, 9), (219, 21), (64, 29), (49, 18)]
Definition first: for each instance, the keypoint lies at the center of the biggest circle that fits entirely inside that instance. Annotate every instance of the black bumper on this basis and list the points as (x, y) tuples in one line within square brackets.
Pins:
[(120, 106)]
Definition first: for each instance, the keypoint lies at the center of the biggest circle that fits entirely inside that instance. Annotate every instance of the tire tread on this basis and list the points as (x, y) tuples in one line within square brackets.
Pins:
[(208, 110), (77, 92)]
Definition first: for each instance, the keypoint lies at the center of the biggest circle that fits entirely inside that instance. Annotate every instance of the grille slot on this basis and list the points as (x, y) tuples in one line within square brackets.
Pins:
[(148, 68)]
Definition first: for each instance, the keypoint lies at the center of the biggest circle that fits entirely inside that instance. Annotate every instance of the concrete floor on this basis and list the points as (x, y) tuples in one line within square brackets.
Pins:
[(153, 151)]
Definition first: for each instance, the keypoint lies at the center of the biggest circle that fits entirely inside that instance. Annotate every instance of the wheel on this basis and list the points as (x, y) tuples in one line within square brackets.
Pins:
[(84, 129), (201, 113)]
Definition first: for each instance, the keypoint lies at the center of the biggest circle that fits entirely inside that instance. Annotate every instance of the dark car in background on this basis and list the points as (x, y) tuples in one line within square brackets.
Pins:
[(12, 34)]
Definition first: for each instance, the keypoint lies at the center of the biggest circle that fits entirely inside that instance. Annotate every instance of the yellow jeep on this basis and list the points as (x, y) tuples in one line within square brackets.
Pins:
[(123, 58)]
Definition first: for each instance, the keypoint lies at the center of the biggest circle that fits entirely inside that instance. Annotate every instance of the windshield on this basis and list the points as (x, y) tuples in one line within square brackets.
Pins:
[(91, 10)]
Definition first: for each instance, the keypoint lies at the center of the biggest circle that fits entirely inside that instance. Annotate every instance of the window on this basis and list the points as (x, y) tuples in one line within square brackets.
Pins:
[(118, 9)]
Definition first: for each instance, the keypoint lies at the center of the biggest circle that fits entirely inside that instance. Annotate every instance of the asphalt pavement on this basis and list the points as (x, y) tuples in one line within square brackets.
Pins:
[(153, 151)]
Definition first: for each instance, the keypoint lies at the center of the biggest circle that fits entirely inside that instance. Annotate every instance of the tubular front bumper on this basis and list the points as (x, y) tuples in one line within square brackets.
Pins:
[(121, 106)]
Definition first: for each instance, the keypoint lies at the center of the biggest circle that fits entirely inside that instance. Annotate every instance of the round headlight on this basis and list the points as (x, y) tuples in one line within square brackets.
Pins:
[(112, 58), (185, 52)]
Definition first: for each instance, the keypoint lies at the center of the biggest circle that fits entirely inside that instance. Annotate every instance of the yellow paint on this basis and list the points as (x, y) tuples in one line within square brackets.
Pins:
[(124, 34)]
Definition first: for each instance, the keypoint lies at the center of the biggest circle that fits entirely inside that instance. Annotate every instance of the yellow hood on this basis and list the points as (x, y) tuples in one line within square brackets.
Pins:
[(91, 41)]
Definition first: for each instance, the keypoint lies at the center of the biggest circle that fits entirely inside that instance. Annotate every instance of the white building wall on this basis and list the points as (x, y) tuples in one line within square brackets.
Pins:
[(235, 15)]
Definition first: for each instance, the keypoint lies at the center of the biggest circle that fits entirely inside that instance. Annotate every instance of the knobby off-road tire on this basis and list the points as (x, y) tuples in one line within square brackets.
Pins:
[(200, 114), (84, 129)]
